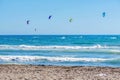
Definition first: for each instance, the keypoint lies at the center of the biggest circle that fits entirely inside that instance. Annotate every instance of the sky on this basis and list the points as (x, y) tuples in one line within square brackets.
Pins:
[(86, 17)]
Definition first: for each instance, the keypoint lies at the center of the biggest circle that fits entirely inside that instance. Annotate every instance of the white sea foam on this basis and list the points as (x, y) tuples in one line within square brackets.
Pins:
[(63, 37), (113, 37), (59, 59), (63, 48), (117, 51)]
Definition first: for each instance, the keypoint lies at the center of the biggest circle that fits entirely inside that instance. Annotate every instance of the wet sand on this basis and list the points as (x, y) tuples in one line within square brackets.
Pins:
[(30, 72)]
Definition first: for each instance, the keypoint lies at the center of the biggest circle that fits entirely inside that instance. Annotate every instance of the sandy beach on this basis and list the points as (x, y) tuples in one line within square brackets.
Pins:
[(30, 72)]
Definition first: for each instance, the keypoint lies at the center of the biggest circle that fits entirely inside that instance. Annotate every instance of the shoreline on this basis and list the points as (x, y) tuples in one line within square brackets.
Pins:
[(43, 72)]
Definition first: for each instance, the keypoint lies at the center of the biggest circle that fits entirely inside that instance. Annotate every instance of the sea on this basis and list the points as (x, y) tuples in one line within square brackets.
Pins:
[(61, 50)]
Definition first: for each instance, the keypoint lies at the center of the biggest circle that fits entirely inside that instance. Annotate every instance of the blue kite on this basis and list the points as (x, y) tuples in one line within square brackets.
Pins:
[(50, 17), (103, 14)]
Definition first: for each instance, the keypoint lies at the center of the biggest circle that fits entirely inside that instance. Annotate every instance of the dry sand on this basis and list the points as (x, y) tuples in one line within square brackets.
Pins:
[(29, 72)]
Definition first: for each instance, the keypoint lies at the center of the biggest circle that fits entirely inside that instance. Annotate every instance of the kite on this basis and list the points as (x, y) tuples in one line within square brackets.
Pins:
[(103, 14), (28, 21), (50, 17), (70, 20), (35, 29)]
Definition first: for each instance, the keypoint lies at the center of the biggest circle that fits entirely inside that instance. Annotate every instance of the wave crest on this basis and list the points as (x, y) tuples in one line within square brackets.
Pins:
[(94, 48), (43, 58)]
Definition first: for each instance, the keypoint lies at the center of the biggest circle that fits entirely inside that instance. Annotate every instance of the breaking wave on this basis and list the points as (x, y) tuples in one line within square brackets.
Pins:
[(57, 59), (94, 48)]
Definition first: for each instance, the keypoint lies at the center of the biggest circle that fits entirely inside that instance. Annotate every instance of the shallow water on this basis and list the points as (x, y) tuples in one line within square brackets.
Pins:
[(67, 50)]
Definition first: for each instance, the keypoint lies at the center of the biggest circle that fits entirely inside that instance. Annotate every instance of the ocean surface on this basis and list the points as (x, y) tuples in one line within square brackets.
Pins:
[(67, 50)]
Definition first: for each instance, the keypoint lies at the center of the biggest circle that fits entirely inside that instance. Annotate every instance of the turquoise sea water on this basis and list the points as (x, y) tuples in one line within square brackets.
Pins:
[(67, 50)]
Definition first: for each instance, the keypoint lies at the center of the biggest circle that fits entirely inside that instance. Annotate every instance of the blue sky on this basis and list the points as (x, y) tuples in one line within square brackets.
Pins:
[(86, 15)]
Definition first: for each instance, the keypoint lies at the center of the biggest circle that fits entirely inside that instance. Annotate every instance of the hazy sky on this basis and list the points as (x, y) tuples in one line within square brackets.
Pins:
[(86, 15)]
